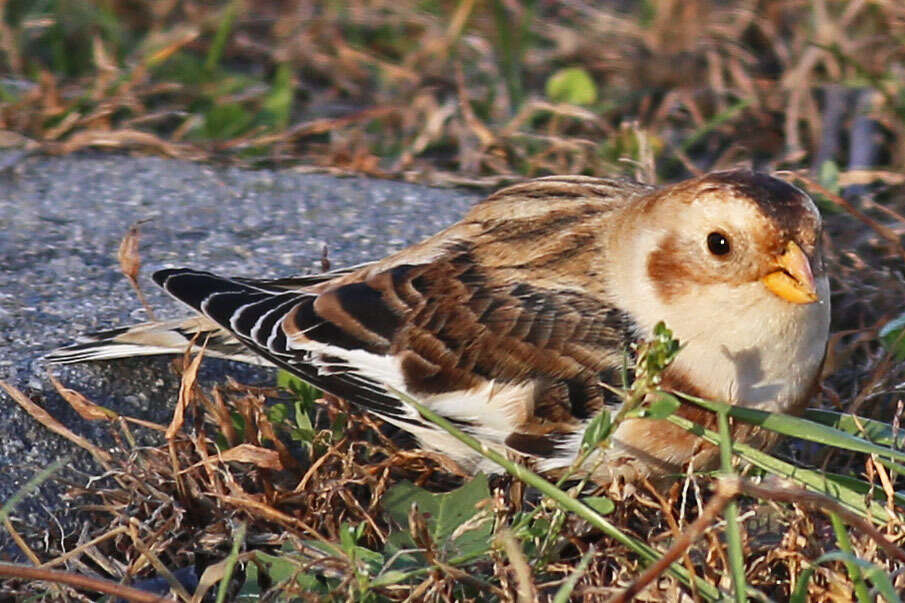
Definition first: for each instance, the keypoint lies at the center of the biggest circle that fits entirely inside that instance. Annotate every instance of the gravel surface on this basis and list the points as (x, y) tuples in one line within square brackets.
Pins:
[(61, 221)]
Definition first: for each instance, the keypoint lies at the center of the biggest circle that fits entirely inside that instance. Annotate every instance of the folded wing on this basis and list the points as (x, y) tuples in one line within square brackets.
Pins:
[(516, 364)]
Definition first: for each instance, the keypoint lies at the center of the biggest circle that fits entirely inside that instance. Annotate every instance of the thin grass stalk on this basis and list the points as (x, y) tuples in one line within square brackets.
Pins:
[(565, 591), (733, 532), (854, 572), (238, 539), (30, 486)]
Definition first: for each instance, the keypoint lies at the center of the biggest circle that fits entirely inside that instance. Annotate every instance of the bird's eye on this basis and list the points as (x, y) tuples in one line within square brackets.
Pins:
[(718, 243)]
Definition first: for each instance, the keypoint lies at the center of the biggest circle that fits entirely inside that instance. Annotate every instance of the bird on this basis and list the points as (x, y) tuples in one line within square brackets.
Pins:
[(515, 323)]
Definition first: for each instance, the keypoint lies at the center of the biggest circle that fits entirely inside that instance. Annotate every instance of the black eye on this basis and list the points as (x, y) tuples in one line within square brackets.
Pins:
[(718, 244)]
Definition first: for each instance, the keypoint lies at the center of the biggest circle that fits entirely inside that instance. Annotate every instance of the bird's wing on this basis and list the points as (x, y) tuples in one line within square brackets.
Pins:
[(256, 317), (500, 323)]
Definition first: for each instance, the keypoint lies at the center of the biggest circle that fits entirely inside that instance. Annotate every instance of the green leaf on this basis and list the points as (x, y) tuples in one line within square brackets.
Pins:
[(373, 560), (601, 504), (278, 569), (892, 337), (664, 405), (277, 413), (597, 430), (572, 85), (303, 433), (444, 512), (305, 395), (829, 176), (304, 392)]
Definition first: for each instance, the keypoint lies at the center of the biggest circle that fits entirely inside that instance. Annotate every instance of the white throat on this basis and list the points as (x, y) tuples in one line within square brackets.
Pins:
[(742, 344)]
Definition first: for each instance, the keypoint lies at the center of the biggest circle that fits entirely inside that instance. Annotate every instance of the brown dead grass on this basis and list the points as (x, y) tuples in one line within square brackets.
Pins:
[(180, 503), (454, 91)]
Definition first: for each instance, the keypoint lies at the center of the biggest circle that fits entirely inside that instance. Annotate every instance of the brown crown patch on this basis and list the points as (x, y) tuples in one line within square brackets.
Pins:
[(786, 206)]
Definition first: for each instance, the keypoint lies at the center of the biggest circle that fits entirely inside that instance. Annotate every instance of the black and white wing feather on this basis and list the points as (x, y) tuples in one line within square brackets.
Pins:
[(256, 317), (176, 336)]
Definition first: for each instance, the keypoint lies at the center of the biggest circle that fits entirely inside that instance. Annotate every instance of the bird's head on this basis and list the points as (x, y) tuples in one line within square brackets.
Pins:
[(732, 262), (734, 229)]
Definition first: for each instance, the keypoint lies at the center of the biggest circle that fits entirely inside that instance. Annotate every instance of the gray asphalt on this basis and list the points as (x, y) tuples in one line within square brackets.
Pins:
[(61, 222)]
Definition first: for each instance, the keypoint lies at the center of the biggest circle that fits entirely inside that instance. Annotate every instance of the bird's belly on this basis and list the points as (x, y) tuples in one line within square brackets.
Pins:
[(656, 448)]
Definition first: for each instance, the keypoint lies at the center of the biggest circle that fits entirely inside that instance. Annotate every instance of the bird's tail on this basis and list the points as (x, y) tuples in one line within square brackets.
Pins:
[(154, 338)]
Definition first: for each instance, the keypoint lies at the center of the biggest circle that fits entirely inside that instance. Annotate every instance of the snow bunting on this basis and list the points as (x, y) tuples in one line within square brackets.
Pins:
[(509, 322)]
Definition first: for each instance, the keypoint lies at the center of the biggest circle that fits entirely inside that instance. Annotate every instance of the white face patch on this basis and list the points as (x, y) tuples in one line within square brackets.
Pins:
[(743, 344)]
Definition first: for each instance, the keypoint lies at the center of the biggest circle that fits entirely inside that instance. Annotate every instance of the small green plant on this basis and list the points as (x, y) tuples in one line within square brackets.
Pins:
[(892, 334), (438, 529), (572, 85), (301, 429)]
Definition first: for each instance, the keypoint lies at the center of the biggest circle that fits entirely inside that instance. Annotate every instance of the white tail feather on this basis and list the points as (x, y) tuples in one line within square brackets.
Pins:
[(155, 338)]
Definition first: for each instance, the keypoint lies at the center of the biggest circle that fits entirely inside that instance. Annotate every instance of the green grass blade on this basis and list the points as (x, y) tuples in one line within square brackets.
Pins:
[(812, 480), (715, 122), (873, 573), (797, 427), (565, 591), (238, 541), (733, 532), (877, 432), (863, 488), (30, 486), (854, 572), (215, 52)]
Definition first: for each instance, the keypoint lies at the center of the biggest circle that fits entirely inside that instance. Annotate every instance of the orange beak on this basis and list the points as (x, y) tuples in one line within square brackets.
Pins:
[(793, 281)]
